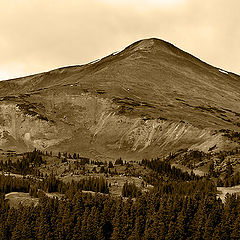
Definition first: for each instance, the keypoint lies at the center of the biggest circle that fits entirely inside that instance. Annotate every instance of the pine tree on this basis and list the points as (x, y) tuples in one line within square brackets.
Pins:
[(118, 222), (236, 229)]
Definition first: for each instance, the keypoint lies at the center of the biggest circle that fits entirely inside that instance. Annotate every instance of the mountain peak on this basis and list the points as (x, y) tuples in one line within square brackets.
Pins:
[(154, 44), (148, 99), (150, 42)]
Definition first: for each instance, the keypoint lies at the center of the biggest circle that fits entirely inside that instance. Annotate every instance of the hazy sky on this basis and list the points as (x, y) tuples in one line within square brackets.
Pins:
[(40, 35)]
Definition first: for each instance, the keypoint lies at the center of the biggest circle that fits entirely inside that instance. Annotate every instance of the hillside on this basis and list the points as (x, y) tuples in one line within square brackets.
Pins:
[(149, 99)]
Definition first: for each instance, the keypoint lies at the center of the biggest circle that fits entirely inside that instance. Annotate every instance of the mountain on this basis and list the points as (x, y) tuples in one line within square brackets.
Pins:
[(150, 99)]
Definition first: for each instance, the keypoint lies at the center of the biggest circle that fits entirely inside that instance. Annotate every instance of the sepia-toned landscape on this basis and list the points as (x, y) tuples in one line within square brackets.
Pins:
[(119, 120), (141, 144)]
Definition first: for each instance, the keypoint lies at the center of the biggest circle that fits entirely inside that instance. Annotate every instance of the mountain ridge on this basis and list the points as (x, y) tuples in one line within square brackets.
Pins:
[(149, 43)]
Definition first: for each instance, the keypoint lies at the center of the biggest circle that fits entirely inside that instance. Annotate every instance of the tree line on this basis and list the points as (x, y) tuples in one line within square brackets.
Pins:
[(27, 165), (51, 184), (159, 214), (164, 169)]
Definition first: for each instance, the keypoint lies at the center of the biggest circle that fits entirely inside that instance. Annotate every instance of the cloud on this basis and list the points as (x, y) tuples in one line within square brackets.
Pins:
[(42, 35), (12, 70), (145, 4)]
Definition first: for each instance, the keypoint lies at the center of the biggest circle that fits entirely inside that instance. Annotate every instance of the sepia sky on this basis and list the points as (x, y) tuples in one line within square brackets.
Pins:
[(40, 35)]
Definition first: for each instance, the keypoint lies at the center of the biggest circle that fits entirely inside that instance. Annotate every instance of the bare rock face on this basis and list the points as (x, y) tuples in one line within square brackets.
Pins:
[(20, 131), (148, 100)]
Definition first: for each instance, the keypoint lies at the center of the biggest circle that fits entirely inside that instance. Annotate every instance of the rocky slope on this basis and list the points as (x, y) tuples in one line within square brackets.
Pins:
[(149, 99)]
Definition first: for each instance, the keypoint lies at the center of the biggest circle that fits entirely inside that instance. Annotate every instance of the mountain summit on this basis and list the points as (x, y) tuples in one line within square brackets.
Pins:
[(151, 98), (154, 44)]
